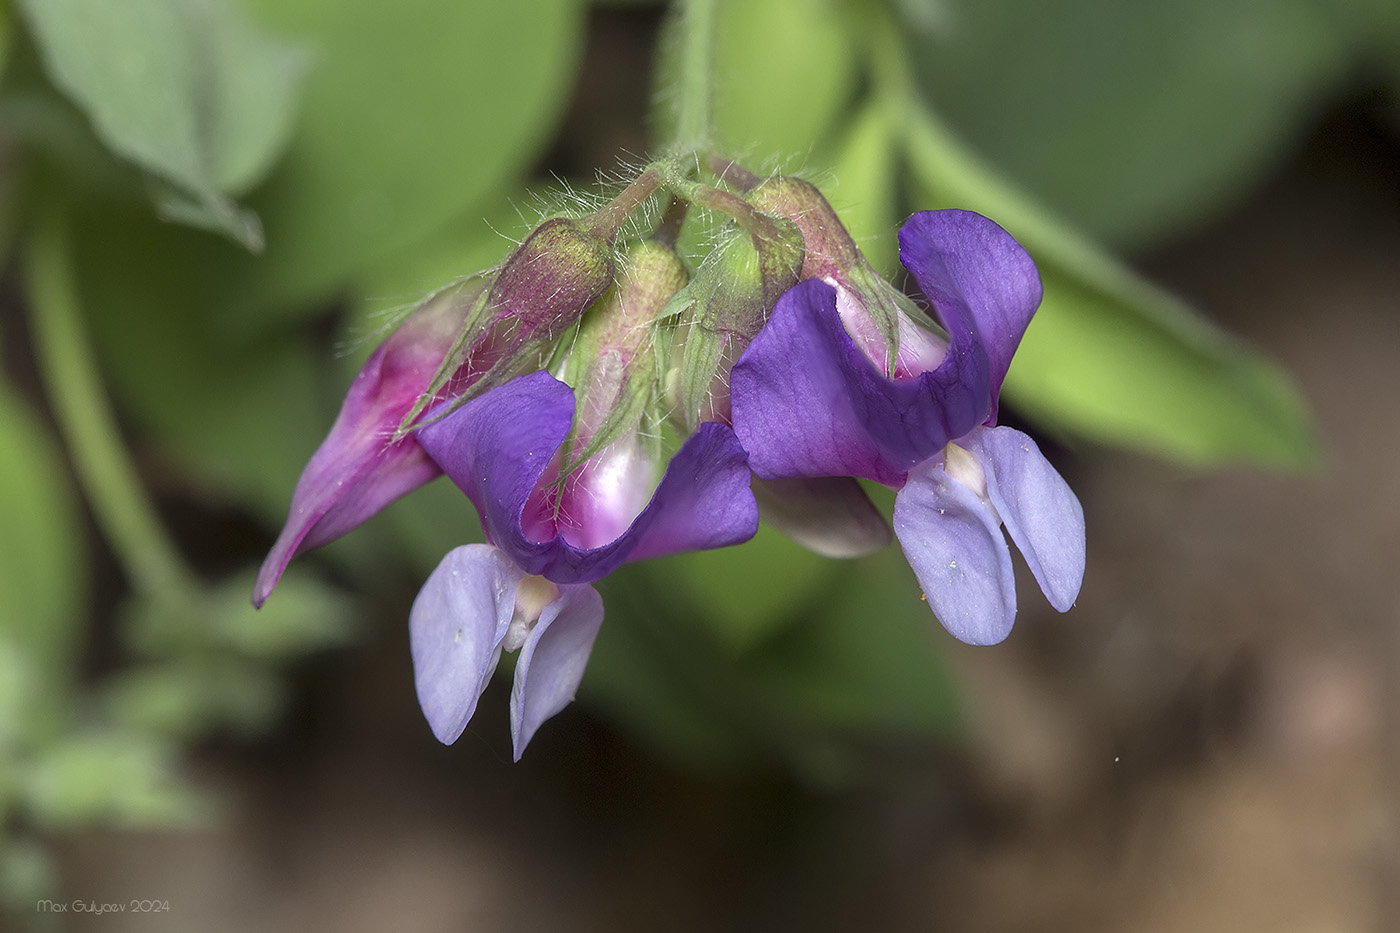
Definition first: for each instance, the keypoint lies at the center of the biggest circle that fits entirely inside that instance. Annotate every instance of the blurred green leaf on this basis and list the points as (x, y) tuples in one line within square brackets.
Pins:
[(431, 522), (746, 594), (43, 578), (415, 112), (20, 678), (783, 71), (662, 675), (1135, 119), (186, 698), (119, 778), (306, 615), (1090, 366), (864, 190), (866, 661), (242, 419), (186, 89), (1109, 355)]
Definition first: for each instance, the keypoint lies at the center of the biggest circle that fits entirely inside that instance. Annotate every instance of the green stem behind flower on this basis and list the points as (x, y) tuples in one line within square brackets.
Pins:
[(85, 419), (694, 88)]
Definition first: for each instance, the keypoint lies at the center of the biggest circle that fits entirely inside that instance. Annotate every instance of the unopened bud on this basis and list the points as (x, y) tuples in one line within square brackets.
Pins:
[(552, 278), (888, 326), (830, 249), (612, 365), (730, 299)]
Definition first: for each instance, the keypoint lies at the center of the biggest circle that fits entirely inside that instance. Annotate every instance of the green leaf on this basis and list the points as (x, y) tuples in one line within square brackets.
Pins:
[(43, 579), (305, 616), (186, 89), (661, 675), (114, 777), (1108, 354), (186, 698), (767, 584), (416, 112), (866, 662), (1135, 120), (1125, 374)]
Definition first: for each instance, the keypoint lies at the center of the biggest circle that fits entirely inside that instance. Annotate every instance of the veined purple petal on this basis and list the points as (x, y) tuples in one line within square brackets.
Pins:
[(809, 402), (552, 660), (829, 515), (357, 470), (498, 447), (455, 631), (703, 500), (1039, 509), (955, 546), (984, 287)]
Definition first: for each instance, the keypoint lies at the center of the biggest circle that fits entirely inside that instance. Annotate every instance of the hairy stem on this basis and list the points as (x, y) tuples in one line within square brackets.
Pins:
[(695, 77)]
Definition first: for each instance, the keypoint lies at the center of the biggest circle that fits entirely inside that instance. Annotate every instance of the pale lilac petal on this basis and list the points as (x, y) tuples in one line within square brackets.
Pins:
[(1039, 509), (455, 631), (983, 285), (497, 447), (552, 660), (808, 402), (830, 515), (955, 546)]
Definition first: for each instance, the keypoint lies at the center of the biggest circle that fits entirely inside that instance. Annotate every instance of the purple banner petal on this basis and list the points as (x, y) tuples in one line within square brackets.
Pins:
[(498, 447), (984, 287), (955, 546), (552, 660), (703, 500), (808, 402), (1039, 509), (455, 631)]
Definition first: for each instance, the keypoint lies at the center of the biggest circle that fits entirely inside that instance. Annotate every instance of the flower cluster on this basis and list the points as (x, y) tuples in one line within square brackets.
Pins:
[(599, 404)]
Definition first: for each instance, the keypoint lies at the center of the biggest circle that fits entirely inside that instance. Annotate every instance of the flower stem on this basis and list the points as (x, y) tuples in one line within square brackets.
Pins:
[(695, 76), (108, 477)]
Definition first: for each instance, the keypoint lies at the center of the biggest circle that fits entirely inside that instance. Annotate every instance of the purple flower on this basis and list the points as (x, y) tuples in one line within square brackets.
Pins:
[(554, 528), (478, 603), (458, 337), (360, 468), (814, 396)]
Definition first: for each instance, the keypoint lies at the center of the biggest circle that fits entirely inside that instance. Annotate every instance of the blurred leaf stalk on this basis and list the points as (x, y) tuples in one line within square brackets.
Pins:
[(194, 190)]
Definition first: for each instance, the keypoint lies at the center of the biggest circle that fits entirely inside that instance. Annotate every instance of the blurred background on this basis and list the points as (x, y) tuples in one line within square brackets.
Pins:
[(211, 211)]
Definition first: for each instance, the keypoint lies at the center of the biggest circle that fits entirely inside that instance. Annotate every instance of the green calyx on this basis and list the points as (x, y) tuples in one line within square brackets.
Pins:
[(724, 308), (613, 362)]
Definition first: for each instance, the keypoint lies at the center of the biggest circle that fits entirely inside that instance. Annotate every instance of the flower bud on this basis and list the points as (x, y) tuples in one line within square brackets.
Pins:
[(889, 328), (538, 292), (363, 465), (830, 250), (726, 305), (612, 365), (552, 278)]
